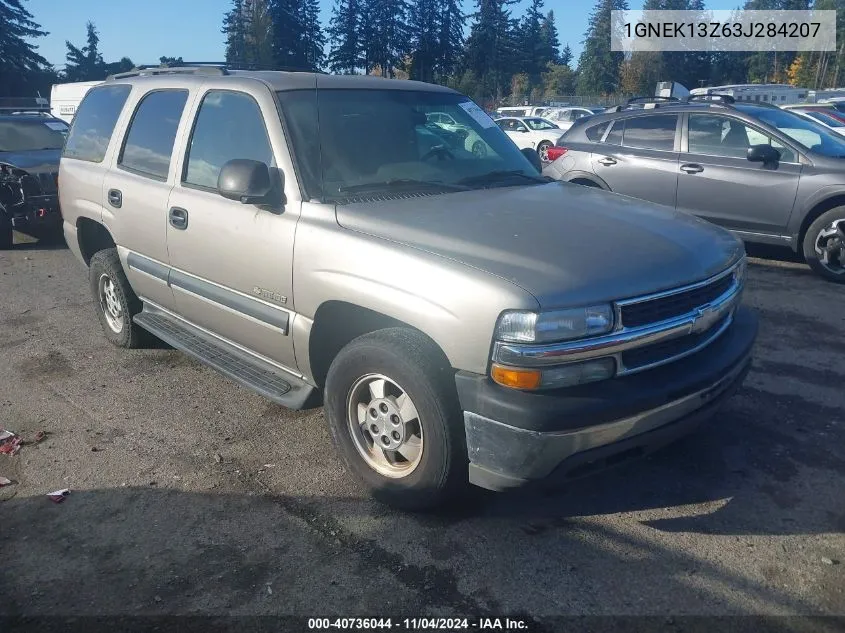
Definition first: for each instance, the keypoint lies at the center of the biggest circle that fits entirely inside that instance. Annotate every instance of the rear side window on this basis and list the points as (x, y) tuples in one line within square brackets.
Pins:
[(595, 132), (152, 133), (651, 132), (94, 122), (229, 125)]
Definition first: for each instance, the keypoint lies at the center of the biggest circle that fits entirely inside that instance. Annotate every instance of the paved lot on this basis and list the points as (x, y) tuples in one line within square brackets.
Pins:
[(193, 495)]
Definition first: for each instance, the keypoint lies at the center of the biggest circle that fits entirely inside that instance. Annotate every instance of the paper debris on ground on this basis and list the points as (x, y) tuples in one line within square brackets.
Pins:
[(10, 443), (5, 482), (58, 496)]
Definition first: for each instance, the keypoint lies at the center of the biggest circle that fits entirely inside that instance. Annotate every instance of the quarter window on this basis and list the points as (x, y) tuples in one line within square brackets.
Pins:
[(94, 122), (152, 133), (651, 132), (595, 132), (229, 125)]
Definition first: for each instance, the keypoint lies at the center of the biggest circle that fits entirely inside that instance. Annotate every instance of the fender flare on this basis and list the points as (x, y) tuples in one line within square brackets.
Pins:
[(585, 175)]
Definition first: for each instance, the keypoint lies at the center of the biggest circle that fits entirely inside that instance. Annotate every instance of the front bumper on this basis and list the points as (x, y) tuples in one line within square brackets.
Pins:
[(514, 437), (37, 212)]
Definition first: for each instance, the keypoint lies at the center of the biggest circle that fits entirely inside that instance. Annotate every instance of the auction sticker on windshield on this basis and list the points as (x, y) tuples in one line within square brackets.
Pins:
[(478, 114), (55, 125)]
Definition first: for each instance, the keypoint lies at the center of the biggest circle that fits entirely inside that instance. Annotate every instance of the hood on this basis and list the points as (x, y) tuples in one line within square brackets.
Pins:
[(566, 244), (43, 160)]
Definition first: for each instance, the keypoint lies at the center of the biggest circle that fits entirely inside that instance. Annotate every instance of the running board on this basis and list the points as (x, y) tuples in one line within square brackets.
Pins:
[(258, 375)]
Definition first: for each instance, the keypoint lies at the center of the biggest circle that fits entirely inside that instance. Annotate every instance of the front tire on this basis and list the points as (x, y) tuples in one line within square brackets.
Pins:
[(114, 300), (392, 411), (824, 245), (6, 237), (543, 151)]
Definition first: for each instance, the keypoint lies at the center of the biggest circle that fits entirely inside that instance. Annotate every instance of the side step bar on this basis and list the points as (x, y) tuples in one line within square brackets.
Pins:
[(260, 376)]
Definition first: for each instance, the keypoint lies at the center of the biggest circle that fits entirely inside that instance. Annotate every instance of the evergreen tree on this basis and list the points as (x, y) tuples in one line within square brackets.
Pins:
[(566, 56), (491, 46), (234, 28), (533, 53), (550, 42), (296, 35), (86, 63), (598, 66), (344, 33), (385, 34), (18, 57), (451, 39), (424, 27)]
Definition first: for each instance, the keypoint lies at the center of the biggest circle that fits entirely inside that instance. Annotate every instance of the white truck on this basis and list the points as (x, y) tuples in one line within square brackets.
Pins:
[(65, 98)]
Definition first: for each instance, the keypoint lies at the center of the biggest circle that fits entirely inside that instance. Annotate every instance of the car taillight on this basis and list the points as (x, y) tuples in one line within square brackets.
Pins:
[(557, 152)]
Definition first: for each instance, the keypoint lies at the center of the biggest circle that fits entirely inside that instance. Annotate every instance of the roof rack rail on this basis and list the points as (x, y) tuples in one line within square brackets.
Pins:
[(722, 98), (24, 105), (199, 68), (204, 68), (655, 102)]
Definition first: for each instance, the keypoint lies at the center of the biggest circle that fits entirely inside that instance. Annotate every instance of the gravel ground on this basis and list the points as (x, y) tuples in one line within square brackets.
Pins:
[(192, 495)]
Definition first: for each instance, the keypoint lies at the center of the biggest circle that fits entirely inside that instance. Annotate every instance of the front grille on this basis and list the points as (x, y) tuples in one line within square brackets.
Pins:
[(644, 356), (675, 305)]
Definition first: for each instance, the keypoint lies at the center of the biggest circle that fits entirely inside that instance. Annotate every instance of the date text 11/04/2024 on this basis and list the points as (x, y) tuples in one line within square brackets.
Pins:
[(419, 624)]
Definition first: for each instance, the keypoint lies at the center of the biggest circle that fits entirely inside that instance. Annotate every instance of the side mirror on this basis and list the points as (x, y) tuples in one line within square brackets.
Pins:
[(533, 158), (247, 181), (764, 153)]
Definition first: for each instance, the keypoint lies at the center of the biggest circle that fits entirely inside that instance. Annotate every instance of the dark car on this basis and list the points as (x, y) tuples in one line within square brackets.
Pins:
[(765, 173), (30, 146)]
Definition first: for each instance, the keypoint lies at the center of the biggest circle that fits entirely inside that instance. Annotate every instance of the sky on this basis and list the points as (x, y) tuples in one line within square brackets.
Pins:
[(190, 29)]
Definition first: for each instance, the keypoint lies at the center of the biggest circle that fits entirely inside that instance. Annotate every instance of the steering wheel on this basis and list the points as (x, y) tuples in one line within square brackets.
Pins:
[(438, 150)]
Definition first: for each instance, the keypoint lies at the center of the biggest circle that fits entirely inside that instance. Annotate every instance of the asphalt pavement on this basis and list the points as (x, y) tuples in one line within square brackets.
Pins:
[(193, 495)]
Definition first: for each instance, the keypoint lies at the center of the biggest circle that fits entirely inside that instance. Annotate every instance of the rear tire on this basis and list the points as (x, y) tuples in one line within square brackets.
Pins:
[(543, 151), (394, 388), (824, 245), (115, 301)]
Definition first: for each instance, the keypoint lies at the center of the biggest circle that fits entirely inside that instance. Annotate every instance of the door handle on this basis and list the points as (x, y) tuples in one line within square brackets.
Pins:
[(115, 198), (607, 161), (178, 218), (692, 168)]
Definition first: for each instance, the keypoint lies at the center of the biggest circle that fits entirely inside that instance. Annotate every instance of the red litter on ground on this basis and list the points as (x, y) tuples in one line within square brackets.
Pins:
[(58, 496), (10, 443)]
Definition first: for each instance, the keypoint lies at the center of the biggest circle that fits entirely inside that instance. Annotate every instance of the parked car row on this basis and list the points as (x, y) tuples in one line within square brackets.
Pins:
[(766, 173), (342, 241)]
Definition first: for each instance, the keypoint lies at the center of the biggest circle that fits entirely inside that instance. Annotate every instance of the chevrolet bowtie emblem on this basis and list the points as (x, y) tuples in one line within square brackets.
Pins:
[(705, 318)]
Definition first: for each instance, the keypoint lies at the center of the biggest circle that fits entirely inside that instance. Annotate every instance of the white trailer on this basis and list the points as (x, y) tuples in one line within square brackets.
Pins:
[(65, 98), (776, 94)]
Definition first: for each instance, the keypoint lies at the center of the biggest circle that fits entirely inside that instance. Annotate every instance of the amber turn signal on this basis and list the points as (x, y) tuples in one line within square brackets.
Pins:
[(516, 378)]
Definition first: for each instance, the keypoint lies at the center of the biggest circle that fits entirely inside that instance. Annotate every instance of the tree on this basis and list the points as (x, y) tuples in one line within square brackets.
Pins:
[(21, 67), (386, 34), (598, 66), (451, 37), (86, 63), (491, 47), (234, 28), (559, 79), (566, 56), (295, 33), (124, 65), (344, 34), (424, 28), (550, 42), (533, 51)]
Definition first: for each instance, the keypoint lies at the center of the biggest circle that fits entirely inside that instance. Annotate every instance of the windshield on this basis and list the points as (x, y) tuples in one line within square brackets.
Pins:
[(369, 140), (540, 124), (808, 133), (824, 118), (30, 135)]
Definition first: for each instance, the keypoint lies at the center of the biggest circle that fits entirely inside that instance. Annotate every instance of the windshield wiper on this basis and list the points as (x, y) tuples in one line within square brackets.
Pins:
[(399, 183), (502, 175)]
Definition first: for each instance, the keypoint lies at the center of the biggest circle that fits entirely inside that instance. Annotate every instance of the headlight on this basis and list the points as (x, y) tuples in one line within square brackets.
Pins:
[(519, 326)]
